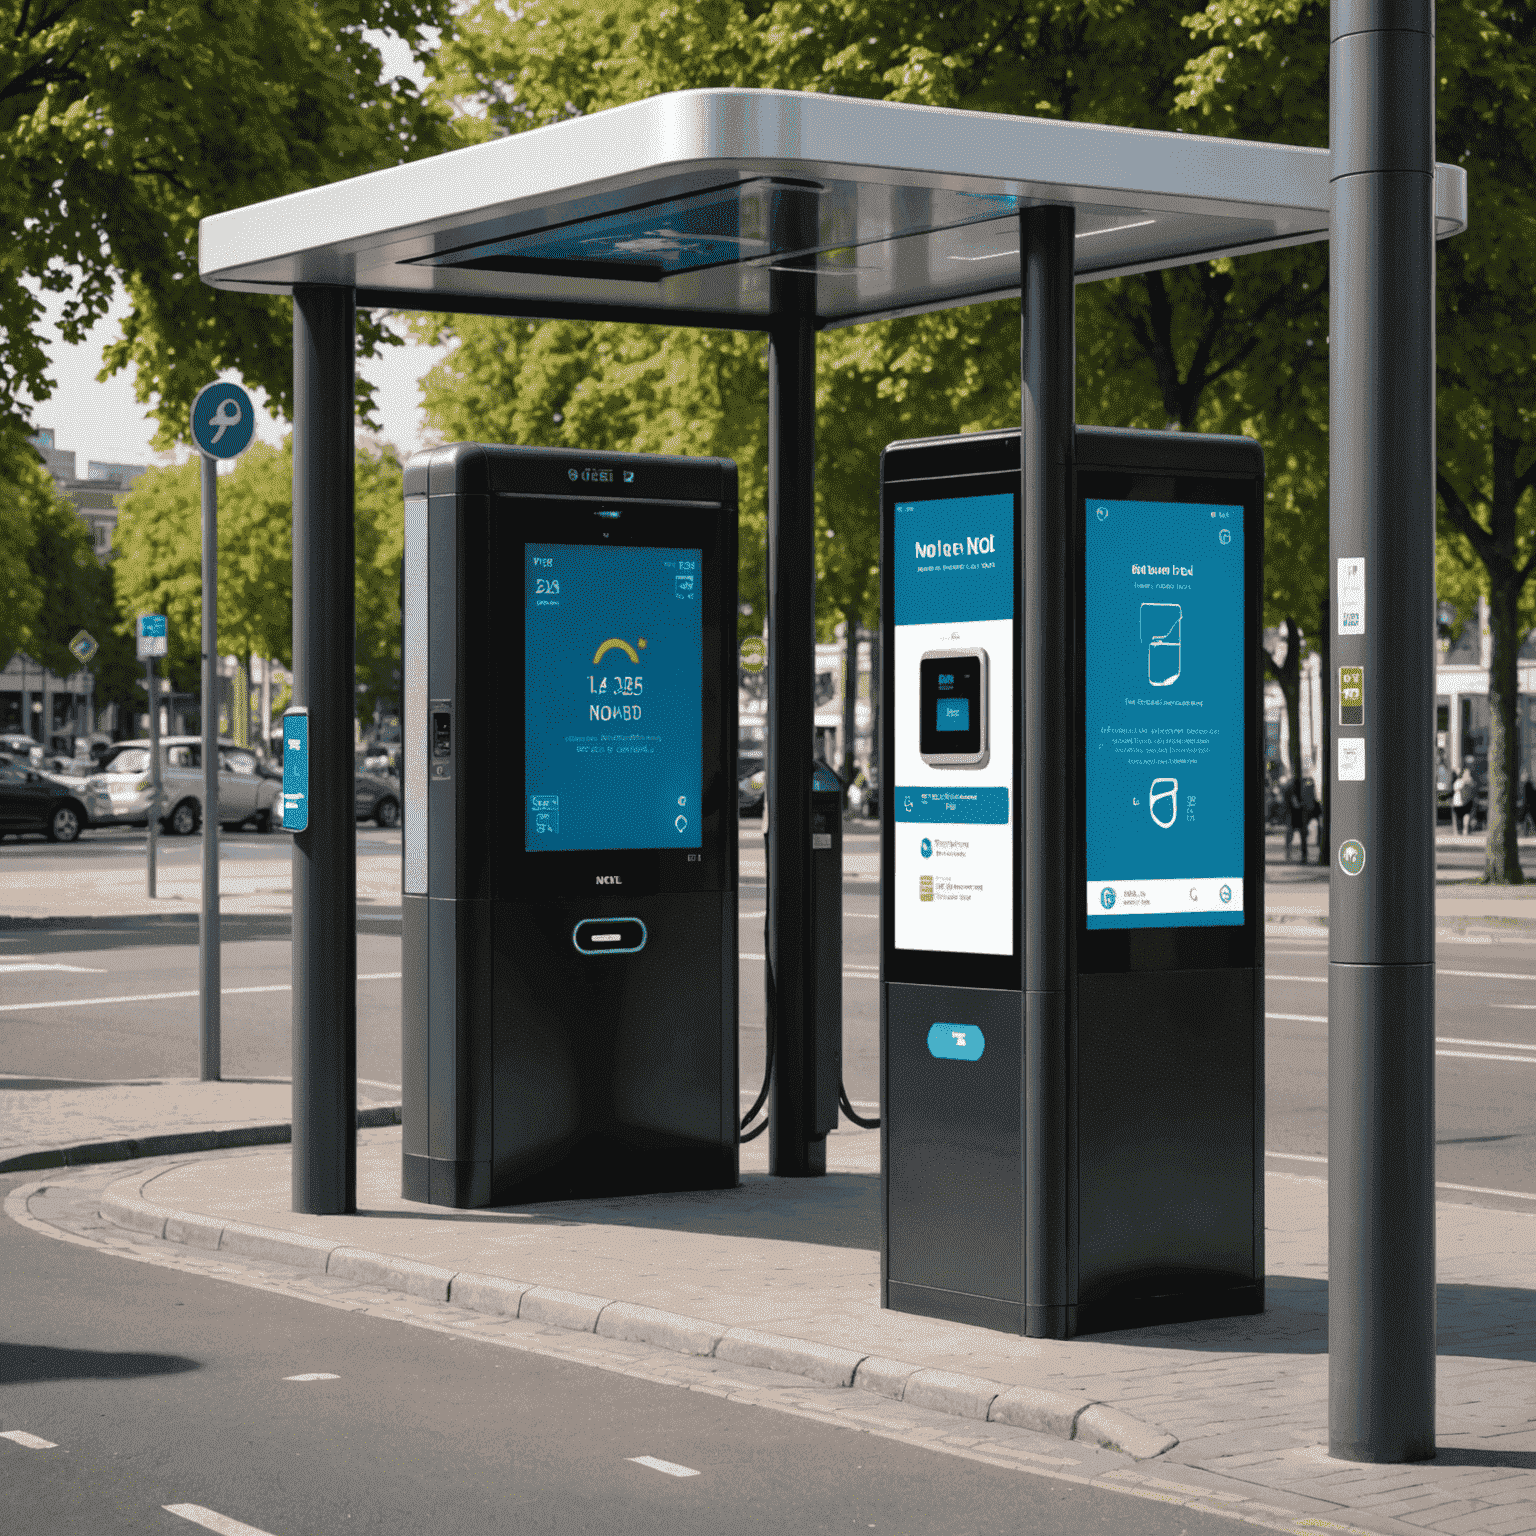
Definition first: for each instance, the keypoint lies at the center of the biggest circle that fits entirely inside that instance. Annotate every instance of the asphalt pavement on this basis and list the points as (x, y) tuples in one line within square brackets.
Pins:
[(143, 1399)]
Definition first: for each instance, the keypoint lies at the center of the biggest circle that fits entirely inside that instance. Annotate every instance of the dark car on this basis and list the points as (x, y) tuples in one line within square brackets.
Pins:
[(30, 801), (378, 799)]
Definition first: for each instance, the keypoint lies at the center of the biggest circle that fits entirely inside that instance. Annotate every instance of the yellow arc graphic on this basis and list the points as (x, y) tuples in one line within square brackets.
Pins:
[(619, 645)]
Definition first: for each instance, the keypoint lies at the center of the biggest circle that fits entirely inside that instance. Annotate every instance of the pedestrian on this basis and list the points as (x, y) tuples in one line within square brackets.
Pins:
[(1463, 798), (1296, 818)]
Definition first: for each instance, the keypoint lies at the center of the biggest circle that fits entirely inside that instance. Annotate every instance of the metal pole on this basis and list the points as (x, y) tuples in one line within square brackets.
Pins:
[(154, 772), (208, 979), (793, 1149), (324, 680), (1051, 896), (1381, 971)]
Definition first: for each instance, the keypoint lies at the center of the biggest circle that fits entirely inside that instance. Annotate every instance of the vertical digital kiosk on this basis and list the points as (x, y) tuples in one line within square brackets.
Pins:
[(569, 1007), (1162, 1158)]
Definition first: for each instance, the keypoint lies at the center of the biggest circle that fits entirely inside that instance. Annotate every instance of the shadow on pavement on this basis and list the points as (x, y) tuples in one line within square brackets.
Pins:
[(841, 1210), (43, 1362)]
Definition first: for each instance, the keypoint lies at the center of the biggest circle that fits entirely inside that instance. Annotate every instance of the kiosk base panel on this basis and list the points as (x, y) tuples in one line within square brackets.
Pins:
[(954, 1176)]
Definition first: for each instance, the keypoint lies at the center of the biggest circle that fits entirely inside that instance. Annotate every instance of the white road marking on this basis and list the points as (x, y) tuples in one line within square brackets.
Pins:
[(1485, 1056), (1272, 976), (161, 997), (40, 965), (671, 1468), (1466, 1189), (32, 1442), (1498, 1045), (212, 1520), (368, 1082), (1300, 1018), (1514, 1005), (1442, 971), (314, 1376)]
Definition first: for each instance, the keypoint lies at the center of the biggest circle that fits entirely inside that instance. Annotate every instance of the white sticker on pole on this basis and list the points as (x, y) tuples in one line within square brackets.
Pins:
[(1352, 596), (1351, 759)]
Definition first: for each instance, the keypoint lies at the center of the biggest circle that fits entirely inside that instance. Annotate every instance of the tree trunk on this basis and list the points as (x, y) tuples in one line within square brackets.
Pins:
[(850, 698), (1501, 862), (1288, 674)]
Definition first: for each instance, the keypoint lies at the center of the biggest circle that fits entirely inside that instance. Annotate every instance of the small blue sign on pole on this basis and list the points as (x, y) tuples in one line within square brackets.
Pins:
[(223, 420), (151, 636), (295, 770)]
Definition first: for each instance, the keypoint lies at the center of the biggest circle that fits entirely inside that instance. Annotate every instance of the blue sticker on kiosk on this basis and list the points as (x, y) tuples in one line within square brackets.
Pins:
[(956, 1042), (296, 770)]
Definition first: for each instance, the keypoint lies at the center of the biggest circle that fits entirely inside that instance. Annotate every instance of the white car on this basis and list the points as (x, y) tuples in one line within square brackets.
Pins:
[(120, 793)]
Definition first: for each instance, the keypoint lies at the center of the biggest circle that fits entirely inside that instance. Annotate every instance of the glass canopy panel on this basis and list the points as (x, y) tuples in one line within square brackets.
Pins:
[(762, 220)]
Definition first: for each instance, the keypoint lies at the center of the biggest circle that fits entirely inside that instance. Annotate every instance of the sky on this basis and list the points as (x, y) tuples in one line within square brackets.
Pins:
[(105, 422)]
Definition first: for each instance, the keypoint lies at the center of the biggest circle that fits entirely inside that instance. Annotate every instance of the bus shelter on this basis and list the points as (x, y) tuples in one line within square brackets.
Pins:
[(785, 214)]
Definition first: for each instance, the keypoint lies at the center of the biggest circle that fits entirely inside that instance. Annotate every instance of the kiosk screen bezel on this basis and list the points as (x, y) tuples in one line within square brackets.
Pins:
[(1118, 951), (930, 966), (515, 523)]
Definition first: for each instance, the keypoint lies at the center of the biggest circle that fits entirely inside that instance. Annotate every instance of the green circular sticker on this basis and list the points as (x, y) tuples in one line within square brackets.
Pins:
[(754, 654), (1351, 857)]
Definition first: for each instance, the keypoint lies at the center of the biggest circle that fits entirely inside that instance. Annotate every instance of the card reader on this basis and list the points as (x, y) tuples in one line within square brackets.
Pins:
[(952, 730)]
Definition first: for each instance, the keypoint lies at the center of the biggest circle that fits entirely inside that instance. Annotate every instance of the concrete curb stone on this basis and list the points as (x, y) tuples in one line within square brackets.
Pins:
[(1050, 1413), (668, 1330), (177, 1144), (565, 1309), (826, 1363), (427, 1281), (973, 1397), (887, 1377), (967, 1397), (1117, 1431)]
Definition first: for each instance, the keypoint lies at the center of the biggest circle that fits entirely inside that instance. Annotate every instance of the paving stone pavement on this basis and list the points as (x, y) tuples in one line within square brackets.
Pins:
[(1245, 1397)]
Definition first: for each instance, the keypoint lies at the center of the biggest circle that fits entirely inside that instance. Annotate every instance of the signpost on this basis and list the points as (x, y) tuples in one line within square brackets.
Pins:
[(152, 641), (223, 423), (83, 647)]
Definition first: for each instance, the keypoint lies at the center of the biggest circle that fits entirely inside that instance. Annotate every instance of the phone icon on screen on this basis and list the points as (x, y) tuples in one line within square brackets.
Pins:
[(1162, 633)]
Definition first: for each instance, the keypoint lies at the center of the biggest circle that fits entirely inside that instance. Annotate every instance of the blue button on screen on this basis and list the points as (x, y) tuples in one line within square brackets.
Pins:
[(954, 714)]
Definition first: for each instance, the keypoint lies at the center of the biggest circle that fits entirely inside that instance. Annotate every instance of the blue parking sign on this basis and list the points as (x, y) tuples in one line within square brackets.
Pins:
[(296, 770)]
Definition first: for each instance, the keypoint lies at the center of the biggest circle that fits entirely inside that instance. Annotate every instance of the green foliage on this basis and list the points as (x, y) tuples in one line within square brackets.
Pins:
[(121, 125), (158, 564), (25, 490)]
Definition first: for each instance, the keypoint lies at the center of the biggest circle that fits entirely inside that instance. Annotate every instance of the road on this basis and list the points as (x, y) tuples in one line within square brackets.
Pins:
[(149, 1388), (1486, 1019)]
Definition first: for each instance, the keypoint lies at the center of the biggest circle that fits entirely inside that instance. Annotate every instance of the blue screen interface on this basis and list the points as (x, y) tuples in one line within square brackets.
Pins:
[(1164, 670), (614, 697)]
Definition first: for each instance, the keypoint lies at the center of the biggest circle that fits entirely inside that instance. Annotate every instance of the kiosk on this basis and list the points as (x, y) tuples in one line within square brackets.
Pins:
[(1158, 1128), (570, 944)]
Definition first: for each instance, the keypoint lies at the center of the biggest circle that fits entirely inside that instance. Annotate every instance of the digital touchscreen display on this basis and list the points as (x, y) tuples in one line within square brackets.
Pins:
[(613, 729), (1164, 677), (952, 724)]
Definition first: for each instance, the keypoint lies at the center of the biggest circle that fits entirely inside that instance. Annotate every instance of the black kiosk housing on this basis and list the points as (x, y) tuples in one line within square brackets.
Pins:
[(1159, 1141), (569, 1002)]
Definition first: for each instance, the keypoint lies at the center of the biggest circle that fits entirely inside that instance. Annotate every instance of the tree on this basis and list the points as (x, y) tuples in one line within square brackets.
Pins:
[(122, 124), (158, 562), (24, 489)]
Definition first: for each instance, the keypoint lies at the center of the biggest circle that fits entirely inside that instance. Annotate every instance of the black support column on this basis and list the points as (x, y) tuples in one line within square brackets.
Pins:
[(1381, 972), (324, 680), (794, 1148), (1051, 897)]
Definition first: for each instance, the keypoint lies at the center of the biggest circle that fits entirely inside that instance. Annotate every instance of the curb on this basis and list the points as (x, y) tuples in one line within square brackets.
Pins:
[(1067, 1417), (180, 1143)]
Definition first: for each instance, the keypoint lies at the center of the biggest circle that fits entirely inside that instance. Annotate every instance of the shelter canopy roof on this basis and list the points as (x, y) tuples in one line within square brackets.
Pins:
[(698, 207)]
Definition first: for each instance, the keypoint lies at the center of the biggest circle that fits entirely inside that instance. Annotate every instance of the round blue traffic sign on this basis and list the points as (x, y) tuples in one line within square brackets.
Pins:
[(223, 420)]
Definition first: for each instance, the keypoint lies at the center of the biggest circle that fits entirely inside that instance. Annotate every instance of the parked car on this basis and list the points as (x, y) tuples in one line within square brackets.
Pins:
[(751, 785), (378, 798), (247, 796), (33, 801), (21, 749)]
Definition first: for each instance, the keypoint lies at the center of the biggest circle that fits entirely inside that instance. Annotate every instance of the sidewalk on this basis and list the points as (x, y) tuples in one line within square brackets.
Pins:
[(49, 1123), (785, 1274)]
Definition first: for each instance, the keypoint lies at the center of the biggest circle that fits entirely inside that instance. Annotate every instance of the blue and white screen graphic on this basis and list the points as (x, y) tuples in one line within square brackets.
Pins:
[(953, 576), (1163, 712), (614, 697)]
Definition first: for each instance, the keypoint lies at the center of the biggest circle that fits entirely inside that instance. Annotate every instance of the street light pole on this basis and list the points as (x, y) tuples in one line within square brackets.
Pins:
[(1381, 963)]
